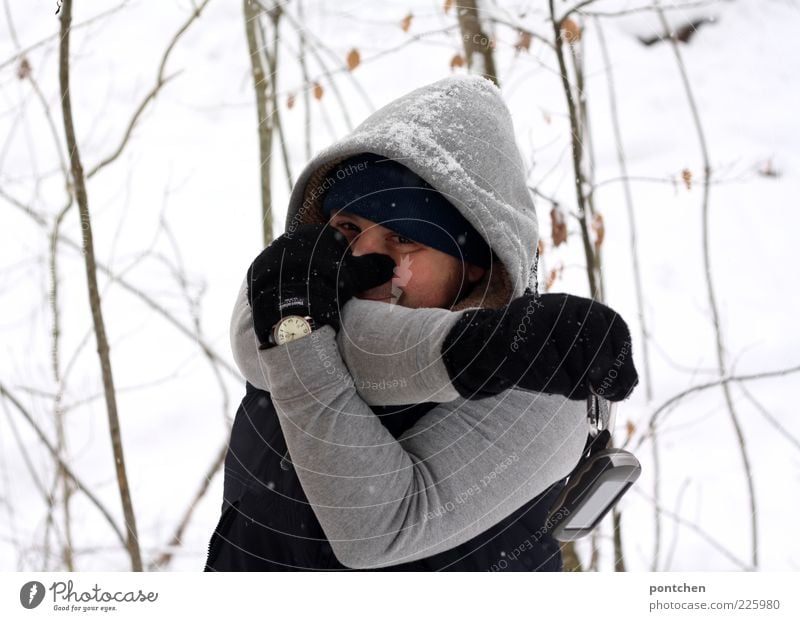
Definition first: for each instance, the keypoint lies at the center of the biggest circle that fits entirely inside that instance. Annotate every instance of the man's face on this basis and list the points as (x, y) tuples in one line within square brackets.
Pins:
[(424, 277)]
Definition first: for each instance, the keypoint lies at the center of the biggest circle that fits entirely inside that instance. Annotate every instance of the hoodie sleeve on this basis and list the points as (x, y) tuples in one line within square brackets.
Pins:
[(392, 352), (461, 469)]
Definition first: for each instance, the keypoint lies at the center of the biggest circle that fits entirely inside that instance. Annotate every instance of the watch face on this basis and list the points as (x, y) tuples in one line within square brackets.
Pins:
[(291, 328)]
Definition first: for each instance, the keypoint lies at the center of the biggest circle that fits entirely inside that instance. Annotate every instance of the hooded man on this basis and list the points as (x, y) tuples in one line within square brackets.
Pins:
[(329, 470)]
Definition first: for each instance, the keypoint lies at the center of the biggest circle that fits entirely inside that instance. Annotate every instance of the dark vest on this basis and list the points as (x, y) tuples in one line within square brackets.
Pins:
[(267, 523)]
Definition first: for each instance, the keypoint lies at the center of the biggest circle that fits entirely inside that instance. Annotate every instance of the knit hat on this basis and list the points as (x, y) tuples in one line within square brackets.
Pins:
[(386, 192)]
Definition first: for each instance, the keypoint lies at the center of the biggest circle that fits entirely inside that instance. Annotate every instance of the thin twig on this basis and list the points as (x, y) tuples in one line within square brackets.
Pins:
[(637, 276), (533, 35), (166, 557), (646, 9), (315, 42), (701, 533), (656, 418), (674, 545), (103, 351), (161, 80), (135, 291), (58, 413), (569, 12), (710, 287), (177, 538), (38, 44), (787, 435), (328, 75), (576, 151), (301, 56), (38, 484), (6, 500), (85, 489)]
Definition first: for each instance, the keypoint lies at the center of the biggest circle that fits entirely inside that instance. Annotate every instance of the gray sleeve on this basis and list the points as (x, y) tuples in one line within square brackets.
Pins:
[(461, 469), (393, 353)]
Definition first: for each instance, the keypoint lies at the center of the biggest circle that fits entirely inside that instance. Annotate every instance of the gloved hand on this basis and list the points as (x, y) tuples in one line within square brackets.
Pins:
[(310, 271), (554, 343)]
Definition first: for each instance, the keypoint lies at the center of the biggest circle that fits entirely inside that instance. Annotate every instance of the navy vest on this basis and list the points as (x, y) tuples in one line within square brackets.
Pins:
[(267, 523)]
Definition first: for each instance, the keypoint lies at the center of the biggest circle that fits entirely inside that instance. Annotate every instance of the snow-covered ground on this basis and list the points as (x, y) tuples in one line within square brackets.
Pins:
[(193, 161)]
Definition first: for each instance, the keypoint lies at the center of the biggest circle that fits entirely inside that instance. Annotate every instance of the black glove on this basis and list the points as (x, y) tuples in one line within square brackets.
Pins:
[(310, 271), (554, 343)]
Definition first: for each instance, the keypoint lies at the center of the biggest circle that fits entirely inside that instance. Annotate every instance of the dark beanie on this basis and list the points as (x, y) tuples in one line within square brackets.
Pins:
[(386, 192)]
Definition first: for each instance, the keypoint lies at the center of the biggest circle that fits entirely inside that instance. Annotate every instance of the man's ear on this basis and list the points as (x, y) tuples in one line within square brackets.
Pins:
[(474, 272)]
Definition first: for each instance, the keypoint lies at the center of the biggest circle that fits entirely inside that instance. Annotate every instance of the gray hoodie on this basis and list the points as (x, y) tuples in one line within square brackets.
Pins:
[(465, 465)]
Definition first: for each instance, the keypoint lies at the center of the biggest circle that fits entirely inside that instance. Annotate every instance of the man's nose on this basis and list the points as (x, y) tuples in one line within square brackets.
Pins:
[(369, 241)]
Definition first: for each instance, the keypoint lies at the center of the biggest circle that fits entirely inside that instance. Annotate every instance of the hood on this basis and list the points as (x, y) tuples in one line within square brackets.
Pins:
[(458, 136)]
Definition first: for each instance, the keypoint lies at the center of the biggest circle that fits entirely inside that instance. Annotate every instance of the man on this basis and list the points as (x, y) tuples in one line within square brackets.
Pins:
[(314, 479)]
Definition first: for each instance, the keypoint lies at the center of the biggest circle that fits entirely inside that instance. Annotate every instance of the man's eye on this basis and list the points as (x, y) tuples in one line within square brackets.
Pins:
[(403, 240), (347, 226)]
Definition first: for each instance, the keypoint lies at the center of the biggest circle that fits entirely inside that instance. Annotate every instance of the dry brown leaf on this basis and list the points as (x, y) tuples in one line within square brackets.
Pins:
[(24, 69), (406, 23), (553, 276), (523, 42), (448, 4), (456, 61), (540, 247), (599, 228), (686, 175), (290, 101), (318, 90), (353, 59), (630, 429), (570, 31), (559, 226)]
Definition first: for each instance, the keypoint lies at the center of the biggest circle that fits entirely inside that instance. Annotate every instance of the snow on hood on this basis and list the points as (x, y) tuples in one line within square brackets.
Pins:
[(456, 134)]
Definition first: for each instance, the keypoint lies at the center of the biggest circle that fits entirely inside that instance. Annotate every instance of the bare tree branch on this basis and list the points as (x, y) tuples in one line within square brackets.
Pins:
[(272, 63), (656, 417), (301, 56), (674, 545), (166, 557), (701, 533), (478, 45), (770, 418), (87, 22), (161, 80), (649, 8), (57, 458), (328, 73), (58, 413), (577, 150), (135, 291), (260, 84), (637, 278), (558, 22), (94, 298), (710, 286)]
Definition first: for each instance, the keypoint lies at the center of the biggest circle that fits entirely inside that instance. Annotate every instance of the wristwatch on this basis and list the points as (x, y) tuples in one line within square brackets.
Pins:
[(289, 328)]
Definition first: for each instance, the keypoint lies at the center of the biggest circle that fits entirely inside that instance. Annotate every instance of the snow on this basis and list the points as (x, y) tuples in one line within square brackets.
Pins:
[(193, 160)]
